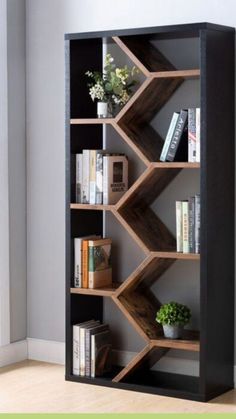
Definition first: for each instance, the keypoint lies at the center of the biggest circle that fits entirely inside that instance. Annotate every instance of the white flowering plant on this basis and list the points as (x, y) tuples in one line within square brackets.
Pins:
[(114, 85)]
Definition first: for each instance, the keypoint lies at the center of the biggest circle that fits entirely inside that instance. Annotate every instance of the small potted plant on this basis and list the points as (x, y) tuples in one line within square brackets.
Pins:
[(173, 317), (112, 88)]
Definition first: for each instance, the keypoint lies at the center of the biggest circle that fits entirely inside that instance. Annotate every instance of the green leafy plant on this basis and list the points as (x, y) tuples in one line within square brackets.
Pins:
[(173, 314), (114, 85)]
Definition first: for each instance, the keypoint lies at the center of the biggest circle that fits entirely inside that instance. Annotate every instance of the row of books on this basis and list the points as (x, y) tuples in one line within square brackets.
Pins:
[(92, 349), (101, 178), (182, 142), (188, 225), (92, 267)]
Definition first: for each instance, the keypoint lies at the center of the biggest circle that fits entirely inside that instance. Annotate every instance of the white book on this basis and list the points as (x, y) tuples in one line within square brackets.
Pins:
[(198, 139), (191, 135), (79, 177), (197, 223), (179, 227), (185, 226), (78, 259), (76, 347), (99, 177), (92, 177), (85, 179), (82, 329), (115, 178), (169, 136)]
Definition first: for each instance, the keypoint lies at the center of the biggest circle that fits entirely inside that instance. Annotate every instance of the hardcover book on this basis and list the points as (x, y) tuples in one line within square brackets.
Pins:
[(76, 346), (99, 263), (92, 177), (115, 178), (179, 226), (79, 177), (78, 259), (169, 135), (192, 135), (99, 177), (82, 350), (88, 333), (197, 223), (192, 224), (178, 149), (185, 218), (198, 129), (101, 351), (85, 177)]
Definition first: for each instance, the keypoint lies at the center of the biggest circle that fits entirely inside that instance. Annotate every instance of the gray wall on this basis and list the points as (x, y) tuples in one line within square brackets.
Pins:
[(47, 21), (17, 166)]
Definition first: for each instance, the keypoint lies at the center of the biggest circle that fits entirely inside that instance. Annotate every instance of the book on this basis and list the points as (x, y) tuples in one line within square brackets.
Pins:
[(78, 262), (197, 223), (99, 177), (178, 148), (185, 226), (88, 332), (92, 177), (192, 224), (198, 128), (78, 177), (115, 178), (179, 227), (82, 330), (191, 135), (85, 263), (76, 347), (101, 348), (169, 136), (85, 176), (99, 263)]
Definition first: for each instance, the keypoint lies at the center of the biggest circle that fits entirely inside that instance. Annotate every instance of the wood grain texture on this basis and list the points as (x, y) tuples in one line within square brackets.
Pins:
[(189, 342), (102, 292), (187, 74), (91, 207), (82, 121)]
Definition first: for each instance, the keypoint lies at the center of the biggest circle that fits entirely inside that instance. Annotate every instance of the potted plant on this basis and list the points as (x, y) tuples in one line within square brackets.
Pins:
[(173, 317), (112, 88)]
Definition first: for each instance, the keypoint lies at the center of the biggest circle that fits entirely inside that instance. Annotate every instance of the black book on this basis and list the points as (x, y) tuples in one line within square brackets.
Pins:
[(178, 148)]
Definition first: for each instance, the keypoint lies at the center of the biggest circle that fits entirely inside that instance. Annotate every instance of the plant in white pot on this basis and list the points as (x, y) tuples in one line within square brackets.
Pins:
[(173, 317)]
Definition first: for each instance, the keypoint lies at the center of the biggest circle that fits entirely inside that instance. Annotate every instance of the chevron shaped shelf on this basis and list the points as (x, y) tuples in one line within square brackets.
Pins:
[(133, 125)]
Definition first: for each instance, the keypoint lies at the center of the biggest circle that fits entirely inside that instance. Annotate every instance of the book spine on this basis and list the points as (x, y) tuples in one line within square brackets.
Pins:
[(180, 126), (192, 224), (91, 266), (169, 136), (85, 179), (77, 257), (179, 236), (92, 177), (185, 217), (93, 356), (85, 264), (105, 180), (99, 178), (78, 175), (197, 223), (192, 135), (82, 351), (198, 128), (87, 353), (76, 357)]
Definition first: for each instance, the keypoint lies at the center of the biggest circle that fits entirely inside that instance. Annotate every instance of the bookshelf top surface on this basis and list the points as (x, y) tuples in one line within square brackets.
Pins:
[(185, 30)]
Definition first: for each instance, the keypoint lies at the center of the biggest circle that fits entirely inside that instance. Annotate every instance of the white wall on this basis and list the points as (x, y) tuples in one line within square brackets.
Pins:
[(47, 21)]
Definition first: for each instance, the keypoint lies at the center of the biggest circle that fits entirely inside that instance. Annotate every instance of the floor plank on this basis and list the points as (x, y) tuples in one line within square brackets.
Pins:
[(38, 387)]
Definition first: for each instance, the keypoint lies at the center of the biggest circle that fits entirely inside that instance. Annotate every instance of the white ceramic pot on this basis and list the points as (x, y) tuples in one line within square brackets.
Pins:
[(102, 109)]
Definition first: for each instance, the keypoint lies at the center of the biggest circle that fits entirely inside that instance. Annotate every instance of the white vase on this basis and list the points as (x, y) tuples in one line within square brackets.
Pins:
[(102, 109)]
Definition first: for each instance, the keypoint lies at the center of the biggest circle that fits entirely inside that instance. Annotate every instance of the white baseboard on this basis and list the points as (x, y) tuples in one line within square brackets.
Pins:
[(46, 350), (14, 352)]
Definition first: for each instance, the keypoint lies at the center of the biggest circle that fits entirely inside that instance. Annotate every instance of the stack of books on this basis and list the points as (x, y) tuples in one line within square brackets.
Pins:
[(101, 178), (182, 142), (92, 256), (92, 349), (188, 225)]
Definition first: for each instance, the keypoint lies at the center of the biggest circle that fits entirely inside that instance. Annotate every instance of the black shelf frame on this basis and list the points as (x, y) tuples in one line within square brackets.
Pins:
[(84, 51)]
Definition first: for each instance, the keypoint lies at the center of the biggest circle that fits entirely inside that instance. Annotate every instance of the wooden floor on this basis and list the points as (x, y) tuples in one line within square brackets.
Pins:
[(37, 387)]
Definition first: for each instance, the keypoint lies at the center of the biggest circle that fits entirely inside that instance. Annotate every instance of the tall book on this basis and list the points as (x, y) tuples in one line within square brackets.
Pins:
[(99, 177), (169, 135), (92, 177), (198, 129), (85, 176), (115, 178), (178, 148), (179, 226), (101, 349), (76, 346), (192, 135), (192, 224), (79, 177), (88, 333), (197, 223), (185, 226), (99, 263), (82, 331)]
